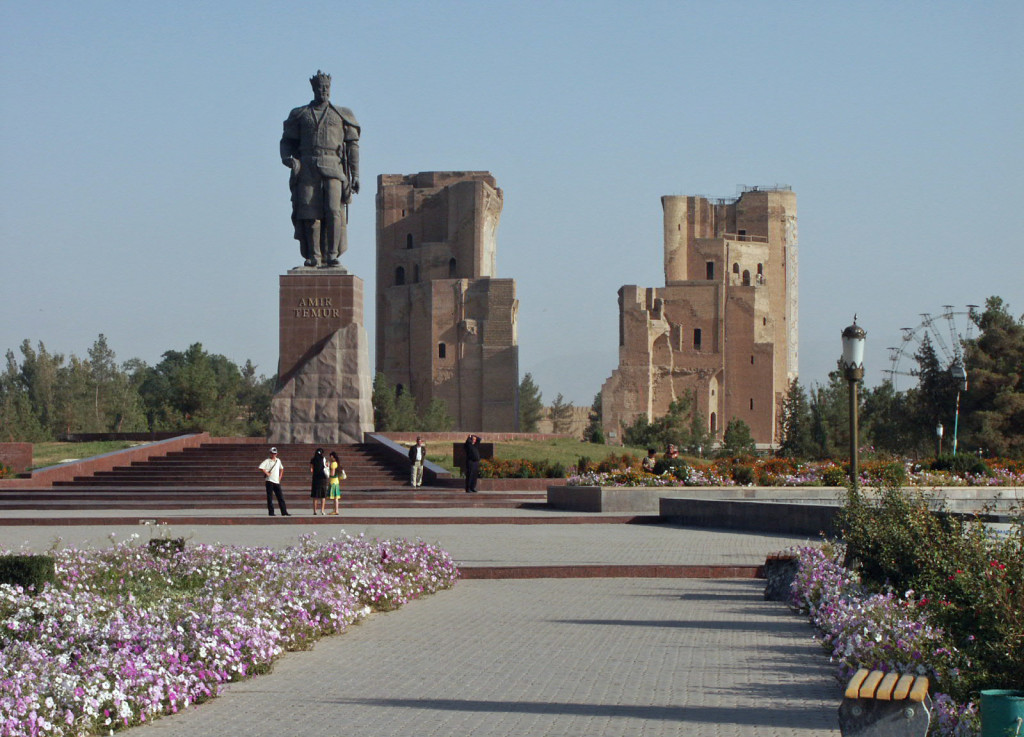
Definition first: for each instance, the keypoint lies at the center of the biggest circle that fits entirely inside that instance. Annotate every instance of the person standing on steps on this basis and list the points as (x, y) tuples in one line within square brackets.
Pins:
[(273, 470), (336, 474), (417, 456), (320, 472), (472, 446)]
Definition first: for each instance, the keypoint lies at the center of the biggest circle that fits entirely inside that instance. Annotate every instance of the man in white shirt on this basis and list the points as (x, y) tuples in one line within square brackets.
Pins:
[(417, 455), (273, 470)]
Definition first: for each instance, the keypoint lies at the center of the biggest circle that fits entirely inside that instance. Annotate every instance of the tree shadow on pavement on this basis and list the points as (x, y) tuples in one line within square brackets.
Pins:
[(766, 715)]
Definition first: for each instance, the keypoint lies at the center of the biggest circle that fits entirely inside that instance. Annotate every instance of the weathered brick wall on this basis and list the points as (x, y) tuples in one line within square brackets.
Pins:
[(17, 456)]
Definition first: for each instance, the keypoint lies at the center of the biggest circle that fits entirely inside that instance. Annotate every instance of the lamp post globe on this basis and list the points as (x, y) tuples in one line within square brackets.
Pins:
[(852, 361)]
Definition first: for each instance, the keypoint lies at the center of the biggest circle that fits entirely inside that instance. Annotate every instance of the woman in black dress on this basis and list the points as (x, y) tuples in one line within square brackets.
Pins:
[(318, 469)]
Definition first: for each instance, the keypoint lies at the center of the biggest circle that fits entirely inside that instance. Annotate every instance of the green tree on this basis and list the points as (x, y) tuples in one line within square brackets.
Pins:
[(254, 397), (992, 410), (40, 376), (18, 420), (194, 390), (887, 420), (561, 415), (830, 417), (673, 427), (701, 438), (594, 432), (737, 440), (395, 410), (796, 424), (436, 418), (531, 404)]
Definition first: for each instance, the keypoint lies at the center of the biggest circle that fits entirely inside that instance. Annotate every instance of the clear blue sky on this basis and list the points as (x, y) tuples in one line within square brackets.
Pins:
[(141, 193)]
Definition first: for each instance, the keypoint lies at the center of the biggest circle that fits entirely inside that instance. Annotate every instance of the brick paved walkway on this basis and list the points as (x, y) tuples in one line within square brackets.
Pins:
[(610, 657), (560, 657)]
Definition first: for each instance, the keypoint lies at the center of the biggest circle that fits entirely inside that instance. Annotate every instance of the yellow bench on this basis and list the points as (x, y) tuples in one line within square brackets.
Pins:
[(885, 704), (875, 684)]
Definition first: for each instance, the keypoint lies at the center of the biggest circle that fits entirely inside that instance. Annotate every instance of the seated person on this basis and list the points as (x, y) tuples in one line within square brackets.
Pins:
[(671, 452), (648, 462)]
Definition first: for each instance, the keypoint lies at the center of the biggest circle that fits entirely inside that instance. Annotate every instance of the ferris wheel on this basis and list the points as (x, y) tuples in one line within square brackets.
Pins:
[(946, 331)]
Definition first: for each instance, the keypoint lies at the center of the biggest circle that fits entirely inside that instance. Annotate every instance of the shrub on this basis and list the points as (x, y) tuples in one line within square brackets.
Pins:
[(31, 572), (886, 473), (961, 464), (676, 467), (5, 471), (166, 546), (743, 474), (970, 581), (834, 476), (519, 468)]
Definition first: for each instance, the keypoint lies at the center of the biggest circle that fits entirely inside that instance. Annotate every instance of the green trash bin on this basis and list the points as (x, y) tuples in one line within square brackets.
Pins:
[(1002, 713)]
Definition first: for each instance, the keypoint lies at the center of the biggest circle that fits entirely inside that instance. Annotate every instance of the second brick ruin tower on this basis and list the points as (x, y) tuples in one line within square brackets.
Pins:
[(724, 326)]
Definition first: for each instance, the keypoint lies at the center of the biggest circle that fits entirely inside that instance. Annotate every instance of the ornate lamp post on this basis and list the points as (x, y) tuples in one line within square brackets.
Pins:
[(939, 429), (960, 374), (853, 368)]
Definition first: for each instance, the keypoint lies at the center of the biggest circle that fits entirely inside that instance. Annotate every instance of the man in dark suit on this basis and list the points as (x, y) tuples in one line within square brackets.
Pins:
[(472, 463)]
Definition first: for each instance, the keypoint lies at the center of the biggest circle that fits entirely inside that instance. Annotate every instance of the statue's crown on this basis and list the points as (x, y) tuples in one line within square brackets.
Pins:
[(320, 78)]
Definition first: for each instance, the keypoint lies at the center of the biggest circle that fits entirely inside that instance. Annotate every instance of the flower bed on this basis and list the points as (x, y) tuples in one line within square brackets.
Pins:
[(788, 472), (882, 631), (127, 634)]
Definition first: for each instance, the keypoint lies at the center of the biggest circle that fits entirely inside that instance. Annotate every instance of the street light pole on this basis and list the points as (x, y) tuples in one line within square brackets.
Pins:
[(960, 374), (853, 368), (939, 429)]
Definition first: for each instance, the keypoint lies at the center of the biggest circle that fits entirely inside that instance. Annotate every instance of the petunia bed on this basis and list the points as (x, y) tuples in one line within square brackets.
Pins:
[(133, 632)]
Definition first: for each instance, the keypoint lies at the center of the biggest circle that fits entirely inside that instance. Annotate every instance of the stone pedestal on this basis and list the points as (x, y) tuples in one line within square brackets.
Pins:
[(324, 383)]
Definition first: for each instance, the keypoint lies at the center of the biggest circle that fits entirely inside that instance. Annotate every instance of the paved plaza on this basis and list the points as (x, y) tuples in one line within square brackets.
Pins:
[(552, 657)]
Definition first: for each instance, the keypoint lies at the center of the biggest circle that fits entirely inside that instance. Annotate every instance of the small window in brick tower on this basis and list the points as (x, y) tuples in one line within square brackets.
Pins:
[(714, 422), (441, 350), (746, 278), (399, 276), (710, 269), (451, 268), (696, 339), (751, 403), (408, 240)]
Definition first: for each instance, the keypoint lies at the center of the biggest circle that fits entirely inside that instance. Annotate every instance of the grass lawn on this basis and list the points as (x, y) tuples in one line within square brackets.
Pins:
[(555, 450), (50, 454)]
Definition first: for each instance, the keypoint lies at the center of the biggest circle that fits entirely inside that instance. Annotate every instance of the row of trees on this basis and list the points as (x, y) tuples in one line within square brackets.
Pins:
[(394, 409), (815, 422), (44, 395)]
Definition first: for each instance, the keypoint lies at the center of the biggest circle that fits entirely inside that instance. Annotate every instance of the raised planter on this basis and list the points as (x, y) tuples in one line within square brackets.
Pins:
[(778, 517), (635, 499)]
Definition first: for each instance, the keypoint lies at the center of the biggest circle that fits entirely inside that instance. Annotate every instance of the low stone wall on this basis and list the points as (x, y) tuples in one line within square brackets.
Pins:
[(16, 456), (778, 517), (45, 477), (634, 499)]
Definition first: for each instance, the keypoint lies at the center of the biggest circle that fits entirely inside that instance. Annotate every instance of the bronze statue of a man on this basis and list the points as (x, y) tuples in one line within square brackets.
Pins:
[(320, 145)]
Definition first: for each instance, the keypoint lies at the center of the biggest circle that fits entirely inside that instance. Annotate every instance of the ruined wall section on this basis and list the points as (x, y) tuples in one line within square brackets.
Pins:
[(446, 326), (724, 325)]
